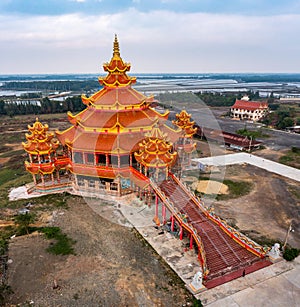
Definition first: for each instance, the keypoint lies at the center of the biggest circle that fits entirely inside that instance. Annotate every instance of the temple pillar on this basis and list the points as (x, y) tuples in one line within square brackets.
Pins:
[(106, 160), (76, 181), (191, 241), (156, 206), (97, 185), (30, 158), (43, 180), (163, 209), (86, 184), (58, 177), (119, 187), (34, 179), (181, 233), (172, 223), (149, 196), (52, 178), (39, 159)]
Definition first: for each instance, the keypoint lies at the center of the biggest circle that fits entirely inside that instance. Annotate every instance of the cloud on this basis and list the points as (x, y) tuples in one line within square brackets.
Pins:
[(61, 7), (156, 41)]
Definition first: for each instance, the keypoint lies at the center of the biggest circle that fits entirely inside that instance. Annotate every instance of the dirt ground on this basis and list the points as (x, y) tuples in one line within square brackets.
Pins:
[(268, 209), (112, 267)]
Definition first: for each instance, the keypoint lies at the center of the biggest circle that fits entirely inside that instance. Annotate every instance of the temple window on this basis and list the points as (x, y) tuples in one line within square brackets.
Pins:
[(114, 160), (80, 181), (91, 183), (134, 162), (124, 160), (90, 158), (114, 186), (101, 159), (78, 157)]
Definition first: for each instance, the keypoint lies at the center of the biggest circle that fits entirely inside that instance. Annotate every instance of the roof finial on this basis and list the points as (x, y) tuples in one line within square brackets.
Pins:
[(116, 46)]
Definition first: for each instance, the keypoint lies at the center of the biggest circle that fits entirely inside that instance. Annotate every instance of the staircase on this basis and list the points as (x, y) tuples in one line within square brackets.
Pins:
[(228, 254)]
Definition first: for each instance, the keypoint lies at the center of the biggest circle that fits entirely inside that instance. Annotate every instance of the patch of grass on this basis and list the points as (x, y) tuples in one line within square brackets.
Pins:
[(62, 245), (12, 153), (235, 189), (197, 303), (6, 175), (5, 291), (262, 240), (295, 190), (252, 133), (55, 201), (291, 158)]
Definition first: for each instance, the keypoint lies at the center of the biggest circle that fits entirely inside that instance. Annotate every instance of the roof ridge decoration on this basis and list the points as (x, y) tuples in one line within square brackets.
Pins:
[(40, 140), (183, 121), (155, 150), (116, 69)]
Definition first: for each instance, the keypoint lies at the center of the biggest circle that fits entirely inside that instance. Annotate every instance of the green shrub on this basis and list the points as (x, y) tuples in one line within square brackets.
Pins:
[(295, 149), (62, 245), (290, 253), (51, 232)]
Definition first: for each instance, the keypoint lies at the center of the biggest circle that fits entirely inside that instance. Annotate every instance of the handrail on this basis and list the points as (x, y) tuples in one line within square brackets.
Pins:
[(233, 233), (139, 174), (174, 211)]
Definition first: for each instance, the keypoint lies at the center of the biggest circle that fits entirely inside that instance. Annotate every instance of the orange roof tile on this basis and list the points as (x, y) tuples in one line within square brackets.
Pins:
[(40, 141), (249, 105)]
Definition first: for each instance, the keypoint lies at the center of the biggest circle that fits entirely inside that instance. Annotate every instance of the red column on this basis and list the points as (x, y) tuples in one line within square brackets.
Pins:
[(164, 213), (191, 241), (156, 206), (172, 223), (181, 233)]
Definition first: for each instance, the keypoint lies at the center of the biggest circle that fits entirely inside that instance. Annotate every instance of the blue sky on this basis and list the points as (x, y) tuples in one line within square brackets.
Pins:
[(75, 36)]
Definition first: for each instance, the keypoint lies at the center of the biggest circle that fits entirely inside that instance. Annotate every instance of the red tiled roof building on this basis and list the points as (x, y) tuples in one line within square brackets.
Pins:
[(249, 110)]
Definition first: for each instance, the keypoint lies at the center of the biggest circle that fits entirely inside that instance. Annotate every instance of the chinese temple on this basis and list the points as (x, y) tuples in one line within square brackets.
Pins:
[(120, 144), (46, 166)]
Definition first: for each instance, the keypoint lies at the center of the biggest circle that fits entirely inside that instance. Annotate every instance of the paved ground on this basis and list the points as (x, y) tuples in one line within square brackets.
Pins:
[(240, 158), (276, 285)]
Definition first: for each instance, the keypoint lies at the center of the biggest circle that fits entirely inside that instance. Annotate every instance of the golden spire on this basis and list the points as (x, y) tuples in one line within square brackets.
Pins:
[(116, 47), (116, 69)]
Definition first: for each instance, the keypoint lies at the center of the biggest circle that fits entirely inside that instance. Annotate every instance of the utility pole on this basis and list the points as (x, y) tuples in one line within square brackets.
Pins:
[(287, 235)]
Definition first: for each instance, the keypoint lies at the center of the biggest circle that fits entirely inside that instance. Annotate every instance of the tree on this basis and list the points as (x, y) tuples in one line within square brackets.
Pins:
[(285, 122), (2, 110), (24, 220), (271, 98)]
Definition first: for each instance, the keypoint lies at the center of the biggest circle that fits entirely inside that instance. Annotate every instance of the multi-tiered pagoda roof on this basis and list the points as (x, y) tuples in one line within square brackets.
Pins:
[(116, 118)]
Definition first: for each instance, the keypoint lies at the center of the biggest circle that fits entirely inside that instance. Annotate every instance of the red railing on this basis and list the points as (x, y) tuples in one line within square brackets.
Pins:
[(233, 233)]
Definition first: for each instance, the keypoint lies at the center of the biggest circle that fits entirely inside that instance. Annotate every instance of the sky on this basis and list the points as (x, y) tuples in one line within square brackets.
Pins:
[(155, 36)]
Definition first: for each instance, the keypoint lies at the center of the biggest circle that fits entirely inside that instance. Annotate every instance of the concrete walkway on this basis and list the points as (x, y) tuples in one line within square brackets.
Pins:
[(277, 285), (240, 158)]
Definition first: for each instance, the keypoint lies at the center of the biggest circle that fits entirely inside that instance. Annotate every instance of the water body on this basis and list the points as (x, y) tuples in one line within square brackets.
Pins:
[(280, 84)]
